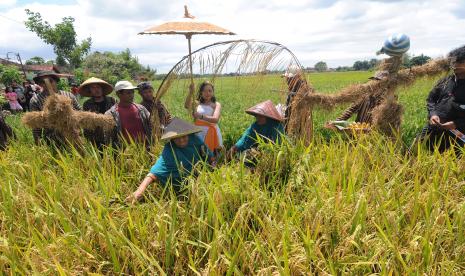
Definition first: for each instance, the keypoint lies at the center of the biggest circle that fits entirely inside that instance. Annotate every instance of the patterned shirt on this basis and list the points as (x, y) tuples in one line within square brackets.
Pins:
[(163, 114)]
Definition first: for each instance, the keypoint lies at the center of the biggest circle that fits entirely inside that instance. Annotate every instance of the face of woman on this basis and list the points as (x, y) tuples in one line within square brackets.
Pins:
[(261, 120), (181, 142), (207, 93), (96, 90)]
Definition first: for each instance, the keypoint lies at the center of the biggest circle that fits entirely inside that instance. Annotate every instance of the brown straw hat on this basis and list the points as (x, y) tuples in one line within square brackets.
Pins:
[(84, 89), (178, 128), (266, 109)]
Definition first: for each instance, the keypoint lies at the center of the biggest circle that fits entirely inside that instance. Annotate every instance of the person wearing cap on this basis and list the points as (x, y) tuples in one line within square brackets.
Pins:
[(446, 107), (180, 154), (149, 102), (268, 125), (99, 102), (38, 101), (132, 120)]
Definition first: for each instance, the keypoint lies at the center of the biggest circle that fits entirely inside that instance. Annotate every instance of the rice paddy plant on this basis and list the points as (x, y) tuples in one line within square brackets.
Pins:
[(335, 206)]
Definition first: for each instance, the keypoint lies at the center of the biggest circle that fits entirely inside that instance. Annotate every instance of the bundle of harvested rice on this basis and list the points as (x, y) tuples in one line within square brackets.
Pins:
[(58, 114)]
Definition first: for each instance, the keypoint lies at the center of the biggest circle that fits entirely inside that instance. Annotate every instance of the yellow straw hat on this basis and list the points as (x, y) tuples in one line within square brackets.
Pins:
[(178, 128), (84, 87)]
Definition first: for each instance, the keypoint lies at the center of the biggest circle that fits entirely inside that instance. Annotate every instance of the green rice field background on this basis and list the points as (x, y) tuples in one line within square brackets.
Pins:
[(333, 207)]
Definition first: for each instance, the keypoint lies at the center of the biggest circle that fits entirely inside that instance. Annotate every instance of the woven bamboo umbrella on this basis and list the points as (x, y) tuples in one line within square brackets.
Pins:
[(188, 27)]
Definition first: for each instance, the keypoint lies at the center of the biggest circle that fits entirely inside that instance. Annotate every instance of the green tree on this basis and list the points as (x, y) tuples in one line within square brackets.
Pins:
[(62, 37), (113, 67), (35, 60), (9, 74), (419, 60), (321, 66)]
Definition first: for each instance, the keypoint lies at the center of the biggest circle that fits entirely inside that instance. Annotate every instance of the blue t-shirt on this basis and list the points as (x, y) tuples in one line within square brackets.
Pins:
[(176, 163), (272, 130)]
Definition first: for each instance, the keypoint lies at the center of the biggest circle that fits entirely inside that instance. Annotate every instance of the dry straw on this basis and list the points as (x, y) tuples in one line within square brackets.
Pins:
[(388, 115), (58, 114)]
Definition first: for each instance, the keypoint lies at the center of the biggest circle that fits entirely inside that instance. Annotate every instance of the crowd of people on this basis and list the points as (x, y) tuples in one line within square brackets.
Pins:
[(186, 143)]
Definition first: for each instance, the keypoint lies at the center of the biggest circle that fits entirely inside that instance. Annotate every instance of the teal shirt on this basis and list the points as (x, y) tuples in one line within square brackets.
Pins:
[(272, 130), (176, 163)]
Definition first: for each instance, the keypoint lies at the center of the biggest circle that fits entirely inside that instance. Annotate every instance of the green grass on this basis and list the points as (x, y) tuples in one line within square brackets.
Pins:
[(333, 207)]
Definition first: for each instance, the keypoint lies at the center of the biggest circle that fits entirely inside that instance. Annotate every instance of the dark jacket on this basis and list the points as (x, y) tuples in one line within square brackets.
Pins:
[(6, 132), (116, 133), (97, 136), (447, 100)]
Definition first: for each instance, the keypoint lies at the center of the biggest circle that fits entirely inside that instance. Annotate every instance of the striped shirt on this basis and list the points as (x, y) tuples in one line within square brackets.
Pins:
[(363, 108), (37, 104)]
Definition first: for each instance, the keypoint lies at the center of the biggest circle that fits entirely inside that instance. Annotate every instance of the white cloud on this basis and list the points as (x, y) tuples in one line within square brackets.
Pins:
[(7, 3), (338, 32)]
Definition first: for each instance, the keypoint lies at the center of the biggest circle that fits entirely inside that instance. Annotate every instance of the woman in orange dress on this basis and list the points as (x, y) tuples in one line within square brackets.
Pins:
[(207, 115)]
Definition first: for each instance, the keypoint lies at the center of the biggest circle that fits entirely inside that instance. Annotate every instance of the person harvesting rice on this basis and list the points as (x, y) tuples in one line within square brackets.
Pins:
[(207, 115), (268, 125), (446, 106), (178, 158)]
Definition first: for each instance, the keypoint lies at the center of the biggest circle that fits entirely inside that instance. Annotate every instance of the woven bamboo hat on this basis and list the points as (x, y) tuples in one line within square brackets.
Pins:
[(84, 88), (178, 128), (266, 109)]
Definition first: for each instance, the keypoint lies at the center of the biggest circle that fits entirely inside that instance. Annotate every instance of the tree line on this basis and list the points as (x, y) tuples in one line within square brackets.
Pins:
[(366, 65)]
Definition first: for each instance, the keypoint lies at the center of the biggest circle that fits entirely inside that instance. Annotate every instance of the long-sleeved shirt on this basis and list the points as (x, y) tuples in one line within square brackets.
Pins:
[(271, 131), (97, 136), (363, 108), (447, 100), (37, 104), (144, 115), (163, 113)]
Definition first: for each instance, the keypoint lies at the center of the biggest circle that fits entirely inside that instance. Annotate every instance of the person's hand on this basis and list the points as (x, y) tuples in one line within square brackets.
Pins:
[(196, 115), (134, 197), (232, 152), (435, 120), (449, 125), (330, 126)]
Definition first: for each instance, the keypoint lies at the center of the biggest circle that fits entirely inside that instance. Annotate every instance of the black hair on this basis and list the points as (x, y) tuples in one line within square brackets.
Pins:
[(457, 55), (201, 88)]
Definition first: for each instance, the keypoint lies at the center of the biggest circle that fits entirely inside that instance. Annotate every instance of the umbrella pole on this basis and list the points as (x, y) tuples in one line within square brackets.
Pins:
[(192, 103)]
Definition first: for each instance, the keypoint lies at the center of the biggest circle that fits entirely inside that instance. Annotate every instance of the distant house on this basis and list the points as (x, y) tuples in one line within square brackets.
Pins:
[(7, 62), (33, 69), (41, 67)]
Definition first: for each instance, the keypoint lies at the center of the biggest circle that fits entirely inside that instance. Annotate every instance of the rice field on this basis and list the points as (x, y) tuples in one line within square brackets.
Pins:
[(335, 206)]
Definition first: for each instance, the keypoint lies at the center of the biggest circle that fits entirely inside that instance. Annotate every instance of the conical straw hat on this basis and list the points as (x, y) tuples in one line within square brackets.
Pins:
[(84, 87), (266, 109), (178, 128)]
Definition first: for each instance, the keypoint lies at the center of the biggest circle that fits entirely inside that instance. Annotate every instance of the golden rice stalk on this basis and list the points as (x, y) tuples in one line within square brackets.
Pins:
[(92, 121), (37, 119), (387, 117), (59, 114)]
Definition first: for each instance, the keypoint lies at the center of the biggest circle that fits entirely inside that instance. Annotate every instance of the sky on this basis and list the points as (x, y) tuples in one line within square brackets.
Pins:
[(338, 32)]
